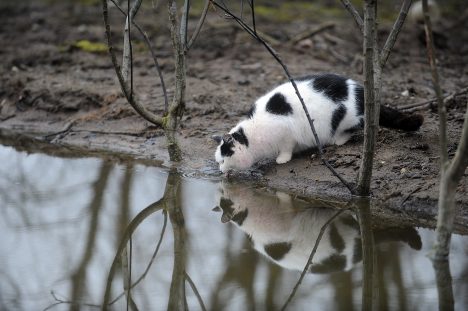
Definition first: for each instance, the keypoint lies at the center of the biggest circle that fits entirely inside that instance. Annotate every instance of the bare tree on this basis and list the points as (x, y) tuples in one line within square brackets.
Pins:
[(173, 111), (451, 172)]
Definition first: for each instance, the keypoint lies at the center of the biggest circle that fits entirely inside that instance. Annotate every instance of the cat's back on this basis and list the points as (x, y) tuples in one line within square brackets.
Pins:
[(320, 93)]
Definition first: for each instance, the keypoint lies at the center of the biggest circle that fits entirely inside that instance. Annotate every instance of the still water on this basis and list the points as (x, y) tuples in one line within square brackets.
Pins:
[(242, 248)]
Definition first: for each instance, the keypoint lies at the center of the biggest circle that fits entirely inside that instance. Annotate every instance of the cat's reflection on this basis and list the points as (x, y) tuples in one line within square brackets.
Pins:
[(285, 230)]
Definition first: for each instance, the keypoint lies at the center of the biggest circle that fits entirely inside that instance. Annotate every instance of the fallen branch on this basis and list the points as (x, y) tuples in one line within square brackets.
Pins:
[(312, 32), (425, 103)]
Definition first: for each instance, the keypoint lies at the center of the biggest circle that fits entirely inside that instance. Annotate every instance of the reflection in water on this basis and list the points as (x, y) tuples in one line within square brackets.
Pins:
[(286, 230), (93, 233)]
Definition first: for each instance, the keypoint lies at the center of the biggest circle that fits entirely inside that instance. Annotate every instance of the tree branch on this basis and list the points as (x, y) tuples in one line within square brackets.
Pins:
[(355, 14), (394, 32), (195, 290), (199, 26)]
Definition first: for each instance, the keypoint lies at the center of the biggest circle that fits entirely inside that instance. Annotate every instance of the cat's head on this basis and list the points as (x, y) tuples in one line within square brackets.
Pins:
[(233, 151)]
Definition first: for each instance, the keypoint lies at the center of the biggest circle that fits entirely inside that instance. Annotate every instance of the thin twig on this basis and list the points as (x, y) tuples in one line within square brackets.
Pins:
[(311, 256), (199, 26), (195, 291), (355, 14), (252, 9), (394, 32), (276, 56), (76, 303), (184, 24), (153, 54)]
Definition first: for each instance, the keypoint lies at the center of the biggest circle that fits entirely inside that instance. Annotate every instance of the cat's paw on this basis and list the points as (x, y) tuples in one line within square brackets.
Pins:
[(283, 158)]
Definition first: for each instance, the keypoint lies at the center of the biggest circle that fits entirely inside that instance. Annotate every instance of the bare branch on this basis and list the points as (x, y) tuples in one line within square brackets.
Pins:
[(199, 25), (394, 32), (311, 256), (354, 13), (153, 54), (184, 24), (195, 290), (127, 55), (145, 113), (276, 56), (252, 10)]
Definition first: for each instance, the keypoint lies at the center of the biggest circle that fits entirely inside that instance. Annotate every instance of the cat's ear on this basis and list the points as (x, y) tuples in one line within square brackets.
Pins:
[(217, 138)]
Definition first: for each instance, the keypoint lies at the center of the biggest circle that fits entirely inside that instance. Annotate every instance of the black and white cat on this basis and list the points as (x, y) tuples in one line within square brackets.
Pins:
[(277, 125)]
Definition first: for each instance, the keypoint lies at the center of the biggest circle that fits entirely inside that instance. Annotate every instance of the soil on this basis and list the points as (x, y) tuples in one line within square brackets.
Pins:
[(54, 93)]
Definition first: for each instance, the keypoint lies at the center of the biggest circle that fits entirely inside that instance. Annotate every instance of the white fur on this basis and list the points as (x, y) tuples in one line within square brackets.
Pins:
[(276, 136)]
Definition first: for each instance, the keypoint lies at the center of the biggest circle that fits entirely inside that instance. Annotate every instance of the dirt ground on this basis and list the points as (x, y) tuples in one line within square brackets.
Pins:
[(55, 92)]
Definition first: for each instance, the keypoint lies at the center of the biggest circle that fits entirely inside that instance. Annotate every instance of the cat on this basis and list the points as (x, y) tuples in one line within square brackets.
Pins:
[(285, 230), (277, 126)]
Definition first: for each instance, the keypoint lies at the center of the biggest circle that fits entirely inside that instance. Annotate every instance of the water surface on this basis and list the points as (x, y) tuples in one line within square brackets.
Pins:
[(243, 247)]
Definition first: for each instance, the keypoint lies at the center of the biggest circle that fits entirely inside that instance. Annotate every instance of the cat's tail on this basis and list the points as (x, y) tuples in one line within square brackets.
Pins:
[(393, 118)]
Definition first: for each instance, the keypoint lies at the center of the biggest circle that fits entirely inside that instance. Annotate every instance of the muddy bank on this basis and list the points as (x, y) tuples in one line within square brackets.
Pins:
[(57, 93)]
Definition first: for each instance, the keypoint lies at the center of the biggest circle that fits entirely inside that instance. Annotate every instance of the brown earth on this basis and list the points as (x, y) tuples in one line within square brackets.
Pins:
[(54, 92)]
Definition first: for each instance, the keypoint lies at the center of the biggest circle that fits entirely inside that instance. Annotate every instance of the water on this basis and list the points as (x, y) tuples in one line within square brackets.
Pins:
[(62, 221)]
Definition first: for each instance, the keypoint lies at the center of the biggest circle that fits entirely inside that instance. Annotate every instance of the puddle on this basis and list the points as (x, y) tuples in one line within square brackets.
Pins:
[(243, 248)]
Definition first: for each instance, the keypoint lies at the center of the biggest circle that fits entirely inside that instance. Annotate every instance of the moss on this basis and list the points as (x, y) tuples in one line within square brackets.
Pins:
[(91, 47)]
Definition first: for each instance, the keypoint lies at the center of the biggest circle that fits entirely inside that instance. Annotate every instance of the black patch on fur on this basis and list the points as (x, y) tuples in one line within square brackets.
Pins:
[(349, 221), (336, 240), (278, 105), (240, 217), (403, 234), (226, 149), (226, 207), (239, 135), (333, 86), (251, 111), (337, 117), (357, 252), (357, 127), (359, 96), (333, 263), (277, 250), (393, 118)]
